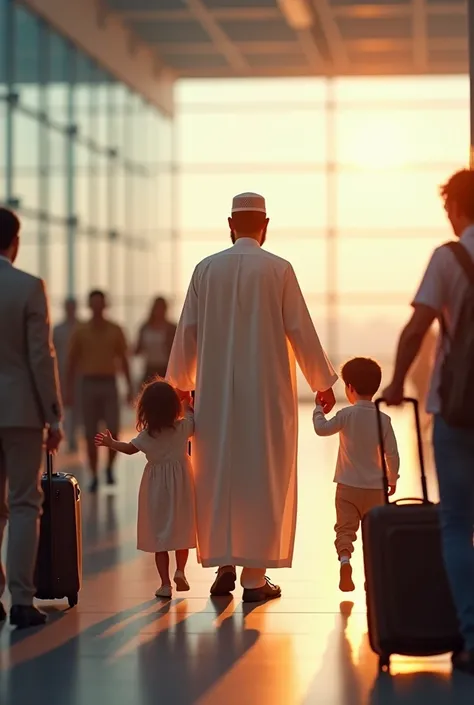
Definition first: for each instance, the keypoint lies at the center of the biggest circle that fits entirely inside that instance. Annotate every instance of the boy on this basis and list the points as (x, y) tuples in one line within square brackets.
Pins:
[(358, 470)]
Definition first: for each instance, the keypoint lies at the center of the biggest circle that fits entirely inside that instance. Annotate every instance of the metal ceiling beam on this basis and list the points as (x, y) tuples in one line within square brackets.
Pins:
[(310, 49), (336, 44), (420, 34), (181, 48), (355, 69), (220, 39), (223, 14), (287, 48), (382, 11)]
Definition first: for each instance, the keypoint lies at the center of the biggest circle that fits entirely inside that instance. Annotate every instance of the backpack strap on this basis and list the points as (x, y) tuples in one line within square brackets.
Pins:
[(463, 258), (465, 261)]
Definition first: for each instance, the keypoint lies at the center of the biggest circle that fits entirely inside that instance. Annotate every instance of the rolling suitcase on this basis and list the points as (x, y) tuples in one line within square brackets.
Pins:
[(410, 610), (59, 564)]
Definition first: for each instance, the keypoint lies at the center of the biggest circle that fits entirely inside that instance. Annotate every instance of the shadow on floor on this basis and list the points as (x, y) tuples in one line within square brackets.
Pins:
[(353, 679), (123, 661), (422, 689)]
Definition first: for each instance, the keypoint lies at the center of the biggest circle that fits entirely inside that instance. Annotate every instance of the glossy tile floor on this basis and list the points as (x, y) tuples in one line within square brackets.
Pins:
[(121, 646)]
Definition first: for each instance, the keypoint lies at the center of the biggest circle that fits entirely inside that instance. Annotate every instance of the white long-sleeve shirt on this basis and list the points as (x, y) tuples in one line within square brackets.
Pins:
[(358, 461)]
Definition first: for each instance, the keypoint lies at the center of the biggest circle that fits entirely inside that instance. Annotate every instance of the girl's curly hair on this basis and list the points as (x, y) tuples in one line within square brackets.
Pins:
[(158, 407)]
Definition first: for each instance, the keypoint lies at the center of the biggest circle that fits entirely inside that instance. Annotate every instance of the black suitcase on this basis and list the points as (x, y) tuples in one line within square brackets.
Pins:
[(59, 564), (410, 610)]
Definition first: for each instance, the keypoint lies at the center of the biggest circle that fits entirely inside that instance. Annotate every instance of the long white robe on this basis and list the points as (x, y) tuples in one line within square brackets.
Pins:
[(243, 323)]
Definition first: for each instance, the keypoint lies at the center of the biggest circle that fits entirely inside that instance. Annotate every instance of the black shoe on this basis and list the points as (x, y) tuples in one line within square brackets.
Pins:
[(24, 616), (110, 476), (224, 584), (94, 484), (346, 583), (3, 614), (464, 661), (266, 592)]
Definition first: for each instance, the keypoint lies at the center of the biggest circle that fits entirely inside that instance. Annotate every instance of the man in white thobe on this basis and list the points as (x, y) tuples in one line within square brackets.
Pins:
[(243, 324)]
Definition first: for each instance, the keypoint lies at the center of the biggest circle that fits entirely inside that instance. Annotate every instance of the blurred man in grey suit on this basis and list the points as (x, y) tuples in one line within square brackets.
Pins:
[(29, 404)]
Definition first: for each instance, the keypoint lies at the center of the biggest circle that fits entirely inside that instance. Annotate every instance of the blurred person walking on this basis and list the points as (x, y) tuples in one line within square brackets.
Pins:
[(155, 340), (62, 334), (446, 292), (243, 324), (30, 402), (98, 351)]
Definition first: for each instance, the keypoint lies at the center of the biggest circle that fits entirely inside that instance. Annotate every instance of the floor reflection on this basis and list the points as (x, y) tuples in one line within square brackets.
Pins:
[(121, 645)]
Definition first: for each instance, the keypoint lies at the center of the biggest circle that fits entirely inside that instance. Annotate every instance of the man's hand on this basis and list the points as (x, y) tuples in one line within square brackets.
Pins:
[(53, 440), (391, 490), (393, 394), (184, 397), (326, 399)]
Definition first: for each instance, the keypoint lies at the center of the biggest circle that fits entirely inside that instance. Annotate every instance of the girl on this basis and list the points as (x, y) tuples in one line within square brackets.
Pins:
[(166, 519)]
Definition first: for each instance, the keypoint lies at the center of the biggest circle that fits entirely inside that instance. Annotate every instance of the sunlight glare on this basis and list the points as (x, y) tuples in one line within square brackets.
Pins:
[(380, 144)]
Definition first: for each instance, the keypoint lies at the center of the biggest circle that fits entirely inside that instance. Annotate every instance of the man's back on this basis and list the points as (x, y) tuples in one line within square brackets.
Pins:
[(244, 322), (443, 289), (240, 289), (24, 350), (249, 308)]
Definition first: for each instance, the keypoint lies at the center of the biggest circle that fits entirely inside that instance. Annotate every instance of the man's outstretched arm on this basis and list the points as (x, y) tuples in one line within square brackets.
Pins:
[(305, 342)]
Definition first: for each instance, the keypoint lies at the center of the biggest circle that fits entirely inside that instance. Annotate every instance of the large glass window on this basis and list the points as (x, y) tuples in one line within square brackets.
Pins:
[(350, 169), (85, 158)]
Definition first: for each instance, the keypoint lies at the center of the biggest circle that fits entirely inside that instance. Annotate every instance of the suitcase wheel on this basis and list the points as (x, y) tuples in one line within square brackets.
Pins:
[(73, 600), (384, 663)]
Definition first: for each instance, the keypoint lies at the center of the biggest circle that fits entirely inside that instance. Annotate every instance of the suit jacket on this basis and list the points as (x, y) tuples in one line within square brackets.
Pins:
[(29, 387)]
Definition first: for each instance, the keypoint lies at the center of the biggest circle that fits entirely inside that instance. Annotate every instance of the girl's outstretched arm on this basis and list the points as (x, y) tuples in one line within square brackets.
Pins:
[(105, 439)]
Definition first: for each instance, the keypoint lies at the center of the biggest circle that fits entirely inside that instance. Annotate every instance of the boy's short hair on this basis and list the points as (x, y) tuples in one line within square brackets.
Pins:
[(364, 374)]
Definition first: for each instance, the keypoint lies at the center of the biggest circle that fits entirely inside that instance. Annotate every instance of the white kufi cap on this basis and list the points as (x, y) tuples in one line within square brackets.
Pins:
[(249, 202)]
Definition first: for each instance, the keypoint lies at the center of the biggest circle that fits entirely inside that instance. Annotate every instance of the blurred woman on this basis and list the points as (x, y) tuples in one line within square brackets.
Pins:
[(155, 340)]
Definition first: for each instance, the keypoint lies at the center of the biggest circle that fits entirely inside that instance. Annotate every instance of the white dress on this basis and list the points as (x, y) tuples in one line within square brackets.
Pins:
[(166, 515), (243, 326)]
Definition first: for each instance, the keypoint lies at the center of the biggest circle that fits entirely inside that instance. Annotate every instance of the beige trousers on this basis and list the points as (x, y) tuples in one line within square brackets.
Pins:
[(352, 504), (20, 504)]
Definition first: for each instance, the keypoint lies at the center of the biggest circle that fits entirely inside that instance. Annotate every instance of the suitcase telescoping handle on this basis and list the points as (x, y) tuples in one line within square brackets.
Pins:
[(419, 441), (49, 491)]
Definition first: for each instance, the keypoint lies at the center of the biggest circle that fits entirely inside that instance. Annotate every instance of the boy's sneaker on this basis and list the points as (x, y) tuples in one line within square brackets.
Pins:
[(181, 583), (94, 484), (346, 583), (109, 474)]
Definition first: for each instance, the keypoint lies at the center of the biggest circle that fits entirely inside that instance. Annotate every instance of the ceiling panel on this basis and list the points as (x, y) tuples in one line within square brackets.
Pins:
[(351, 3), (197, 61), (457, 26), (254, 38), (170, 32), (239, 3), (295, 59), (373, 28), (129, 5), (271, 30)]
